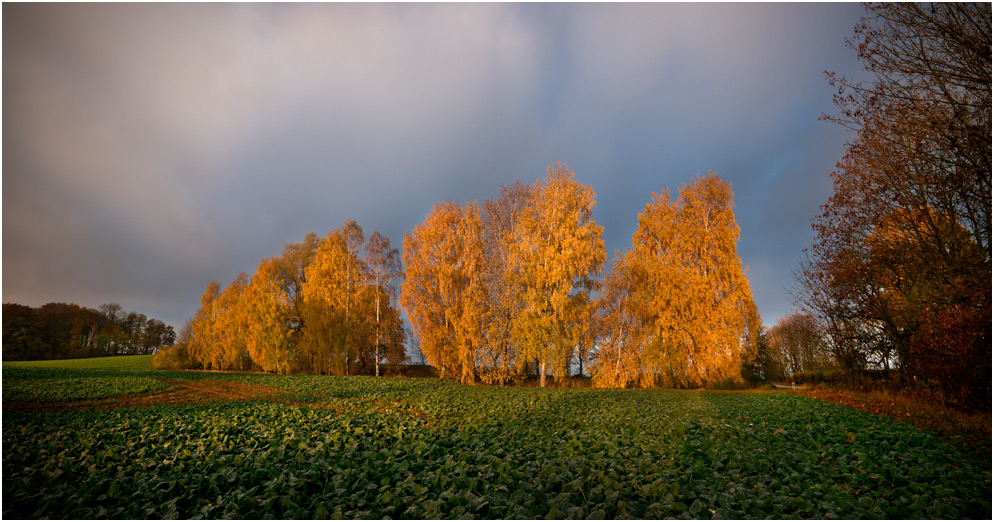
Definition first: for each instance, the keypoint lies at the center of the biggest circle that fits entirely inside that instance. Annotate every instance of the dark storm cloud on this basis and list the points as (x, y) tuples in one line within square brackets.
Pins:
[(151, 148)]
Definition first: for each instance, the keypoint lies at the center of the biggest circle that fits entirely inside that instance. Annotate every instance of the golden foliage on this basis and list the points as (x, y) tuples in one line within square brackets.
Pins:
[(443, 291), (203, 338), (620, 362), (492, 291), (316, 308), (384, 271), (268, 310), (232, 327), (679, 302), (333, 297), (557, 251), (499, 356)]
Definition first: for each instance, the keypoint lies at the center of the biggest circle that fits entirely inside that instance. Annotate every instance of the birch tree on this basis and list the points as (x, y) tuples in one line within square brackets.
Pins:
[(203, 346), (270, 326), (232, 326), (500, 354), (291, 268), (686, 290), (621, 358), (332, 293), (384, 271), (558, 251), (443, 291)]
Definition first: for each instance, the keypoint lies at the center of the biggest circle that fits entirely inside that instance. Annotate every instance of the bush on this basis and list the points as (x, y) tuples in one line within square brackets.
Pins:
[(408, 370), (823, 376), (729, 383), (173, 358)]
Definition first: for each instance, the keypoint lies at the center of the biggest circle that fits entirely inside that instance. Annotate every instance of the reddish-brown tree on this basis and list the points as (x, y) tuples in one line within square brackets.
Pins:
[(900, 269)]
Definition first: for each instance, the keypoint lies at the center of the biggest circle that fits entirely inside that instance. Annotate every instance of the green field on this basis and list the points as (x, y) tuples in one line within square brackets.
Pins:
[(362, 447), (79, 378), (124, 363)]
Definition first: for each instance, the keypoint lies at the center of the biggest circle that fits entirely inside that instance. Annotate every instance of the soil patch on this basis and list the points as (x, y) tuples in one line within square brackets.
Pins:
[(182, 392), (209, 390)]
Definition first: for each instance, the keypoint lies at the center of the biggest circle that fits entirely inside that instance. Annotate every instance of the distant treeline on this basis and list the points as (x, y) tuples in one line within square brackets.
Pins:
[(69, 331)]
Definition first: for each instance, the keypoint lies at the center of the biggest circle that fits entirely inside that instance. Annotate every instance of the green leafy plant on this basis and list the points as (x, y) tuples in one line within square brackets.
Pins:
[(357, 447)]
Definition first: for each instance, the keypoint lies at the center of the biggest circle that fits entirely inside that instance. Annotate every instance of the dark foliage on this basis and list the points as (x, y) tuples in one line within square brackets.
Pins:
[(70, 331)]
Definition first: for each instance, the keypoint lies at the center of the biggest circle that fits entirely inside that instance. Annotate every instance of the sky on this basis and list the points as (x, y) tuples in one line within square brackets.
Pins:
[(151, 148)]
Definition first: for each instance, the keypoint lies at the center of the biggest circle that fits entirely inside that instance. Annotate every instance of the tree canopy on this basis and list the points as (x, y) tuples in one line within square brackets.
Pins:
[(499, 292), (323, 306), (69, 331), (900, 268), (677, 309)]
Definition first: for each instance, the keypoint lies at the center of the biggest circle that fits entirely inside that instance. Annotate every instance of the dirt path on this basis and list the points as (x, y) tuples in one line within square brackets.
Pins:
[(789, 386)]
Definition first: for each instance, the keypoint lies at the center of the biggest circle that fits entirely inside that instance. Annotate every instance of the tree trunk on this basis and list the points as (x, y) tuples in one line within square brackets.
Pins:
[(541, 374), (376, 350)]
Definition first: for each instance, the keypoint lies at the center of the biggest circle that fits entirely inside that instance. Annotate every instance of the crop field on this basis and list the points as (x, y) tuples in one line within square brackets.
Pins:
[(76, 379), (105, 441)]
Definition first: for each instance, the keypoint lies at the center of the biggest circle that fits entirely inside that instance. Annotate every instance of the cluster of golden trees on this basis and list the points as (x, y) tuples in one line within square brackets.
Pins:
[(676, 309), (323, 306), (500, 291), (503, 289), (491, 289)]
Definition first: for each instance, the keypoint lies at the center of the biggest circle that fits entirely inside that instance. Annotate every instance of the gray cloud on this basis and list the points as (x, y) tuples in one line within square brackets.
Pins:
[(151, 148)]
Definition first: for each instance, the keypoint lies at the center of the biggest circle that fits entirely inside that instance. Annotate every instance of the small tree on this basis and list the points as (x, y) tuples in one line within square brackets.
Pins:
[(385, 271)]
